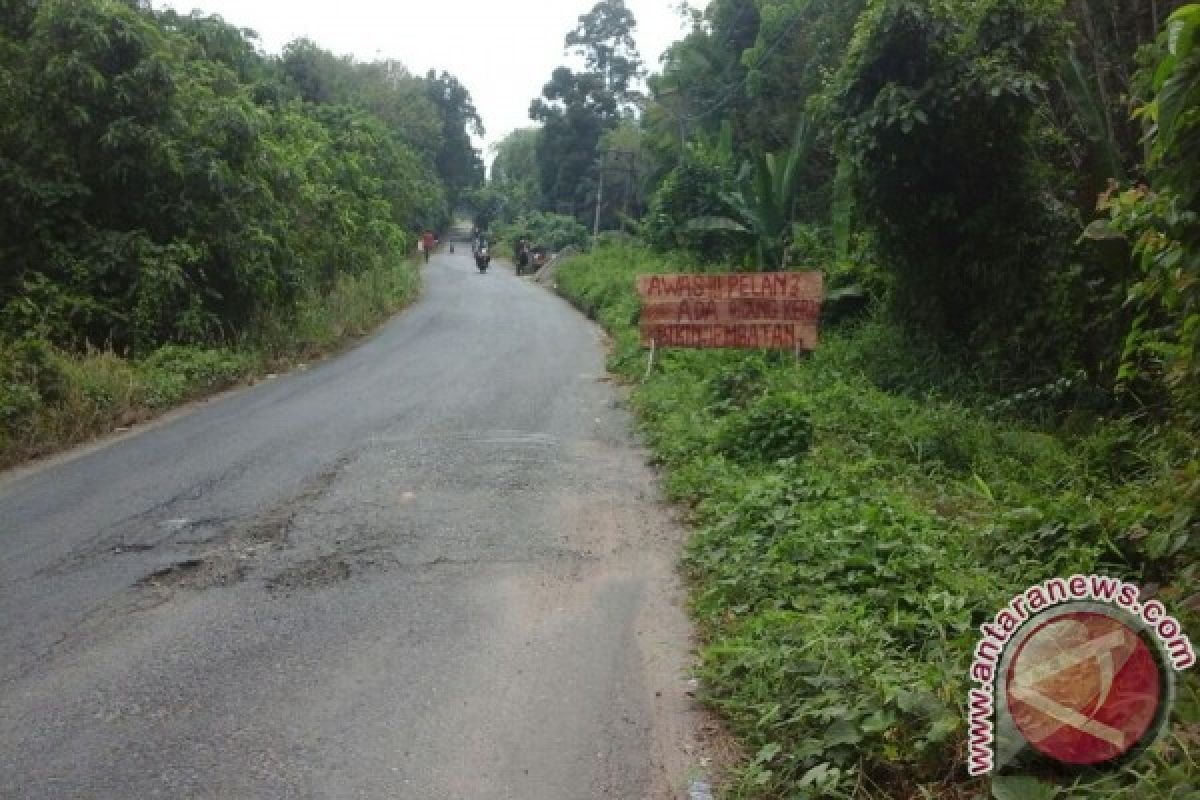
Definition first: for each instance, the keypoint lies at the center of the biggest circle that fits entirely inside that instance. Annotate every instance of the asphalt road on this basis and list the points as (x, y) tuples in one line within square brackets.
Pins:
[(434, 567)]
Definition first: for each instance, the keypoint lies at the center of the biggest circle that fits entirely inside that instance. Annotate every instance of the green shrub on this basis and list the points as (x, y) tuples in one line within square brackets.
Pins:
[(31, 375), (176, 372), (775, 427), (735, 385), (543, 229), (1162, 223)]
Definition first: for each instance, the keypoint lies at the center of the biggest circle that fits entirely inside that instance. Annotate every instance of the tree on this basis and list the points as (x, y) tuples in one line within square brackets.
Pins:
[(458, 161), (933, 109), (574, 111), (576, 108), (625, 160), (486, 204), (694, 189), (386, 89), (515, 173), (702, 83), (604, 39), (1161, 222)]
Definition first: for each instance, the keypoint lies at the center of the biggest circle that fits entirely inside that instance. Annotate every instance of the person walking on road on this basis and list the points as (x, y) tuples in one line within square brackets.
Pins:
[(522, 254), (428, 242)]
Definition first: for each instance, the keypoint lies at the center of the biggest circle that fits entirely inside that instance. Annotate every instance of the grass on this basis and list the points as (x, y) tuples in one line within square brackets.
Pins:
[(51, 399), (857, 514)]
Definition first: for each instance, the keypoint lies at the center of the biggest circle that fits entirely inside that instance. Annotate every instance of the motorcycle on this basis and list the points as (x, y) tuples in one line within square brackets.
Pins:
[(482, 258)]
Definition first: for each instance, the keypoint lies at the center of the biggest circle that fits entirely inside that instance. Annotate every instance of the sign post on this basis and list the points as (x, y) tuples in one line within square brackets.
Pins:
[(753, 310)]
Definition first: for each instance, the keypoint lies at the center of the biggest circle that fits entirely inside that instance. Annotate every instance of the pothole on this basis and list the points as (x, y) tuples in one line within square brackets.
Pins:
[(196, 574), (315, 573)]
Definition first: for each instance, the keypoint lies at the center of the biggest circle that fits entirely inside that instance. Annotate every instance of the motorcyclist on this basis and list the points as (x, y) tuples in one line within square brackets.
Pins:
[(482, 257)]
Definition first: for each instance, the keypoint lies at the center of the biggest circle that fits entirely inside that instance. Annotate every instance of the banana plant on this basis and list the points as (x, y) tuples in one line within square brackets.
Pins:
[(1084, 91), (761, 206)]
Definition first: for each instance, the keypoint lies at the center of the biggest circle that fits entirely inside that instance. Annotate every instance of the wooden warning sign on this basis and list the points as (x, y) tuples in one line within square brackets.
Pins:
[(777, 310)]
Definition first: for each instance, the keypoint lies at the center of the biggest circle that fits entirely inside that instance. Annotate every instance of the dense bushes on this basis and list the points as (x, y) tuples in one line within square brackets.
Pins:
[(962, 143), (851, 535), (170, 196), (157, 184), (934, 104), (542, 229), (691, 190)]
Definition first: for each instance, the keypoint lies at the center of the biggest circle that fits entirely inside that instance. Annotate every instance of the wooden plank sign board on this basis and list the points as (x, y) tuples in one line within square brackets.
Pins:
[(776, 310)]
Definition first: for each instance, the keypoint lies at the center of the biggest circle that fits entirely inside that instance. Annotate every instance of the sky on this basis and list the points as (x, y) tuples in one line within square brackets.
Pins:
[(503, 51)]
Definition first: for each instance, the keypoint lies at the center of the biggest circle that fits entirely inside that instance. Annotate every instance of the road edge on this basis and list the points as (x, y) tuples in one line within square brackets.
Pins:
[(59, 456)]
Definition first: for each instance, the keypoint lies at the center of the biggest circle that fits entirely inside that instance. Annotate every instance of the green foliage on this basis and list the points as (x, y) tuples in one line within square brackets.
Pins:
[(1163, 223), (174, 373), (1164, 341), (574, 112), (1175, 84), (762, 204), (30, 376), (837, 585), (798, 43), (604, 39), (458, 161), (772, 428), (50, 398), (934, 102), (487, 204), (692, 190), (158, 186), (385, 89), (626, 160), (552, 231), (515, 177), (172, 200), (964, 142)]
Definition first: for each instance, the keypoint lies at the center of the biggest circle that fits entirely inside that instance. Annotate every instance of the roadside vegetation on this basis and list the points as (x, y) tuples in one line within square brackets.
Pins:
[(860, 512), (179, 211), (1003, 196), (54, 398)]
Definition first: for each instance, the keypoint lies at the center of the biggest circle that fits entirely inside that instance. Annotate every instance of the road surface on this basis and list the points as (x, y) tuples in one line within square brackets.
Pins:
[(434, 567)]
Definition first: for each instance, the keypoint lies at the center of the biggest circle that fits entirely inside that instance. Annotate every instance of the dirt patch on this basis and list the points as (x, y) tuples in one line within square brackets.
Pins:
[(318, 572), (196, 574)]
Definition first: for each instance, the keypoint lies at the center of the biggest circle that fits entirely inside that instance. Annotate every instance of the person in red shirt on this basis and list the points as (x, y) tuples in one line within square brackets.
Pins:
[(427, 243)]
